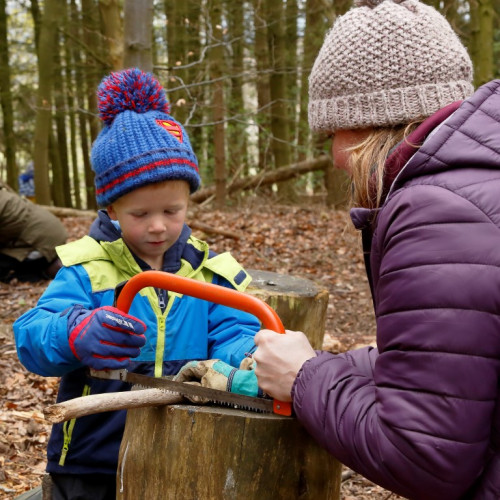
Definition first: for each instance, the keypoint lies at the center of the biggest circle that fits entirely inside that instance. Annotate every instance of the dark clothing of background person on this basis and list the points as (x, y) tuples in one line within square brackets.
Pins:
[(28, 237)]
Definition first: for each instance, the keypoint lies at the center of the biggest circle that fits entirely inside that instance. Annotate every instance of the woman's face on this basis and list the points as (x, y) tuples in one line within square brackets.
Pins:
[(342, 140)]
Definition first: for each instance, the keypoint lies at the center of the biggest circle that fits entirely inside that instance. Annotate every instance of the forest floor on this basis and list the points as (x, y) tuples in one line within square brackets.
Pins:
[(310, 241)]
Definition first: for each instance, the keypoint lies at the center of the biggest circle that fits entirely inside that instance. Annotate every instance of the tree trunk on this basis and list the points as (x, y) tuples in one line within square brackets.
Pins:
[(138, 18), (237, 162), (178, 43), (6, 102), (43, 120), (57, 192), (113, 32), (262, 83), (216, 72), (212, 453), (482, 18), (82, 122), (338, 187), (91, 77), (37, 21), (195, 73), (291, 70), (314, 33), (62, 194), (300, 303), (69, 50), (93, 70), (278, 91)]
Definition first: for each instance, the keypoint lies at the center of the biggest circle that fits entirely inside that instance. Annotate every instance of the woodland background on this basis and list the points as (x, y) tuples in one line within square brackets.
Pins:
[(235, 74)]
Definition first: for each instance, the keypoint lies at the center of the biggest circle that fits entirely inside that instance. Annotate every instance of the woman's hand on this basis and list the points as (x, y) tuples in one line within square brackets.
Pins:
[(279, 358)]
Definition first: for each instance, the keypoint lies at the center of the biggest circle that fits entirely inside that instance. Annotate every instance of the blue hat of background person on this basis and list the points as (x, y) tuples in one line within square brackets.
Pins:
[(140, 143)]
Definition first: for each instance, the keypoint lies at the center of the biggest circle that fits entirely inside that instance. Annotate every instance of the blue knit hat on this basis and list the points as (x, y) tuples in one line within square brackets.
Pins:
[(140, 143)]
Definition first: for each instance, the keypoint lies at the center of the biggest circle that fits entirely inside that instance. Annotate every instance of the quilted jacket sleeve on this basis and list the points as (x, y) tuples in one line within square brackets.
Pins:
[(420, 424)]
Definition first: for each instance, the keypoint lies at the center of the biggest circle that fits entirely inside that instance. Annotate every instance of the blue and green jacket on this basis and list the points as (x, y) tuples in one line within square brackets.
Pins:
[(179, 329)]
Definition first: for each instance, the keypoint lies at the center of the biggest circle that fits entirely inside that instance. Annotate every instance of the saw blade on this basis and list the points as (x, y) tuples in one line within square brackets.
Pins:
[(214, 395)]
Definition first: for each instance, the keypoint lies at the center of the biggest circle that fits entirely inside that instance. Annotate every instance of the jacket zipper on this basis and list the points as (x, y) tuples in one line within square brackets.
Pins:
[(68, 431), (160, 336)]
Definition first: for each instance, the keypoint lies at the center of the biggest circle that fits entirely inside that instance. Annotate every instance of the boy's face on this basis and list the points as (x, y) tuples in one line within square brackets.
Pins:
[(151, 218)]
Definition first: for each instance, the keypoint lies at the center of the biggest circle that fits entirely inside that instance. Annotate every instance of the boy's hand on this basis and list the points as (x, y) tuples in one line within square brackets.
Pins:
[(105, 338), (216, 374)]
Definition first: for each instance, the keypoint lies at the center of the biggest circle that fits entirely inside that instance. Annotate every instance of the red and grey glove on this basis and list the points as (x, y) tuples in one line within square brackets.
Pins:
[(105, 338)]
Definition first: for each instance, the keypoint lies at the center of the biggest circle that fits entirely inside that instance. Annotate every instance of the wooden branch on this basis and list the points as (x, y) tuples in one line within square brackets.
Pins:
[(69, 212), (201, 226), (111, 401), (268, 177)]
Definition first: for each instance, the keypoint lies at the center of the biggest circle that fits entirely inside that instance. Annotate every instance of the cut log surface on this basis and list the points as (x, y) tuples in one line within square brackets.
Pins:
[(300, 303), (218, 453)]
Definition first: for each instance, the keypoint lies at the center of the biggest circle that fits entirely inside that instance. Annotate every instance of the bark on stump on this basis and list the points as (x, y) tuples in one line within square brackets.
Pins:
[(300, 303), (215, 453)]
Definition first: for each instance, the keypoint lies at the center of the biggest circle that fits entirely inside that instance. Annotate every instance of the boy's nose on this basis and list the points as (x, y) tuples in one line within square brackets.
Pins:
[(157, 225)]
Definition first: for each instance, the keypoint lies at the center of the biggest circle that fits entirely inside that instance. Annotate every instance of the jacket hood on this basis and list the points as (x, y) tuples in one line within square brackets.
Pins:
[(469, 137), (103, 228)]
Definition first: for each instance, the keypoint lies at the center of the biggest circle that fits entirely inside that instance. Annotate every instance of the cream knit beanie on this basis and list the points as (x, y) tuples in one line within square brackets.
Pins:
[(387, 62)]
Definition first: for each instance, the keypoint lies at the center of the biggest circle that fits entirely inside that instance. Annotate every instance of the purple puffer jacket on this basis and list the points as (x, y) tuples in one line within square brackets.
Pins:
[(421, 415)]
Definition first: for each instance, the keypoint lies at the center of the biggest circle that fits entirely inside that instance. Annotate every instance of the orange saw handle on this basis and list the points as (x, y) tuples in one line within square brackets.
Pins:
[(206, 291)]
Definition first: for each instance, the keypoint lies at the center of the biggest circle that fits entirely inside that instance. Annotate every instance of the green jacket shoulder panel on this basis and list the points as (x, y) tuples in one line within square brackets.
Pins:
[(80, 251), (100, 261), (229, 268)]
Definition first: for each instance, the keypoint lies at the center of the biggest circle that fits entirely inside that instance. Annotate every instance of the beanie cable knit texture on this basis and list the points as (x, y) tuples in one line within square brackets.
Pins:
[(387, 62), (140, 142)]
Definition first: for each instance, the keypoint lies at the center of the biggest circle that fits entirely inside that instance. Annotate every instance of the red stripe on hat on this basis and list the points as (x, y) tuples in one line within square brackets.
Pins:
[(140, 170)]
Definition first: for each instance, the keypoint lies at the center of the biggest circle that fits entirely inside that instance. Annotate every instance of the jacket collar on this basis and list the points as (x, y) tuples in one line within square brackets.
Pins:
[(399, 157), (403, 152)]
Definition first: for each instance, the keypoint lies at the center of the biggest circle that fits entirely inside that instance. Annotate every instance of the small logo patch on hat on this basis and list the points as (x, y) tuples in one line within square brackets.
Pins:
[(172, 128)]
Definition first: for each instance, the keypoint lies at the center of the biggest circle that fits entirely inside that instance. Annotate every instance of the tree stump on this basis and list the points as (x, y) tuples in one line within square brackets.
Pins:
[(300, 303), (218, 453)]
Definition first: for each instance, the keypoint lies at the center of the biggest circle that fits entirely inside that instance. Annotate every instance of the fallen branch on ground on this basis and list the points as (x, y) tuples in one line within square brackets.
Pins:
[(193, 224), (267, 177)]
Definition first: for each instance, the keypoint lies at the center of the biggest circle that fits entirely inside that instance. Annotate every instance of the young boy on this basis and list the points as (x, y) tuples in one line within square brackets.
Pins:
[(145, 170)]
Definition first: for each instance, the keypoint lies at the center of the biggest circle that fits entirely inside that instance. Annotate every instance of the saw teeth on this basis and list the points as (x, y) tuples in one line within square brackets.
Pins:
[(146, 387), (239, 407)]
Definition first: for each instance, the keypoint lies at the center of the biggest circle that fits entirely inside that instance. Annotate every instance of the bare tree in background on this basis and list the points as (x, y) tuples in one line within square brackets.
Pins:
[(6, 101), (138, 26), (112, 29), (216, 71), (482, 24), (43, 121)]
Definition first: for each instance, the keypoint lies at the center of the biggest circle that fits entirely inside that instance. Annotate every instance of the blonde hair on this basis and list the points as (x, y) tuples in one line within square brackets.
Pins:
[(367, 162)]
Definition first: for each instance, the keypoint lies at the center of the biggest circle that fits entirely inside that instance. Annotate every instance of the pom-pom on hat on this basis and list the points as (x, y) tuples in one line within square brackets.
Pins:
[(140, 143), (384, 63)]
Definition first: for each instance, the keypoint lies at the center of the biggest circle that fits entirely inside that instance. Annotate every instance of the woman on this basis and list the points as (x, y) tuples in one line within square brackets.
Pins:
[(419, 415)]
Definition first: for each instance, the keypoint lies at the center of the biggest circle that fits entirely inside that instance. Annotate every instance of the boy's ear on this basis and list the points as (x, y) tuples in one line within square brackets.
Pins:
[(111, 212)]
